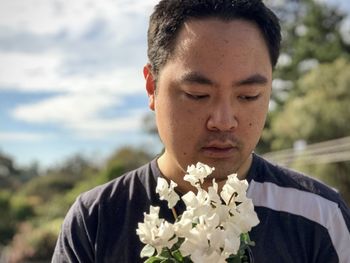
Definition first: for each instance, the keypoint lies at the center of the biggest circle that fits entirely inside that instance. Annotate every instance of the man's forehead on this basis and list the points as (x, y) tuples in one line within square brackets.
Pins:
[(214, 28)]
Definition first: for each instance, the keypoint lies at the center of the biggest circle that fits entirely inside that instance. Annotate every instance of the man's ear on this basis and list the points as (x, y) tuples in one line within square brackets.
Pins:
[(150, 85)]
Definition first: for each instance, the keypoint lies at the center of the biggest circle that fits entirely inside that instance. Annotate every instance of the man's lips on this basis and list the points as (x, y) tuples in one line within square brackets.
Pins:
[(219, 150), (219, 144)]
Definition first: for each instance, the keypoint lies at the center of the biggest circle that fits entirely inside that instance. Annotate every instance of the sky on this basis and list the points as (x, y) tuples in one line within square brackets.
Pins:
[(71, 78)]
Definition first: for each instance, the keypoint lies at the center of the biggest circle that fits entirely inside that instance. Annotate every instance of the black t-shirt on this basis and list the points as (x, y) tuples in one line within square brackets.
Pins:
[(301, 220)]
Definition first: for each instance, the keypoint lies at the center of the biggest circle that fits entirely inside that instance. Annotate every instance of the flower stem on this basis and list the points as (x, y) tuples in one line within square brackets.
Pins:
[(174, 213), (231, 198)]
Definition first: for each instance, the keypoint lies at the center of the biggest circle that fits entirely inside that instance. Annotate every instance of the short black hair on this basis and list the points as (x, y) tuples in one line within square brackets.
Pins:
[(169, 16)]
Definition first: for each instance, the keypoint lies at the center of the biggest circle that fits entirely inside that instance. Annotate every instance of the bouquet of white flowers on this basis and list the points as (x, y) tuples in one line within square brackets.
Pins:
[(213, 228)]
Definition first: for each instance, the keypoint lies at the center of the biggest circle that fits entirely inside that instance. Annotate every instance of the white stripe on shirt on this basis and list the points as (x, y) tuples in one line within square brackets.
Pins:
[(308, 205)]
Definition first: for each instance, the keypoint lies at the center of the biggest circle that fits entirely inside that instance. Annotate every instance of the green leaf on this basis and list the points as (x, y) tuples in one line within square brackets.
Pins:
[(187, 260), (177, 255), (169, 260), (165, 253), (235, 259), (147, 251), (154, 260), (159, 259)]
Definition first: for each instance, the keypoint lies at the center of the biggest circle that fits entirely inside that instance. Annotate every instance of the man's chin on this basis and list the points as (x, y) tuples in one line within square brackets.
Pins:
[(221, 174)]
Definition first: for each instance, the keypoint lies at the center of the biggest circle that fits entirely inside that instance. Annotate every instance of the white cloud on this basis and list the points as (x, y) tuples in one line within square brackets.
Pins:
[(82, 45), (89, 58), (68, 108), (85, 45), (29, 71), (102, 128), (47, 17), (24, 136), (88, 54), (81, 114), (42, 72)]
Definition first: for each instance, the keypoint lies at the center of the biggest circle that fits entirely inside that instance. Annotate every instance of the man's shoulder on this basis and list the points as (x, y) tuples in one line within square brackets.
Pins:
[(283, 189), (103, 217), (283, 184), (268, 172), (303, 204), (137, 180)]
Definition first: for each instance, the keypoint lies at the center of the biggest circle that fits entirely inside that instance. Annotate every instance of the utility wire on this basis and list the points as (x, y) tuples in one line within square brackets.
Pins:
[(337, 150)]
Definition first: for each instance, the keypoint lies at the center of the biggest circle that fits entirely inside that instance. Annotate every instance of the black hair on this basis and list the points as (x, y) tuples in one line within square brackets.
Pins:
[(169, 16)]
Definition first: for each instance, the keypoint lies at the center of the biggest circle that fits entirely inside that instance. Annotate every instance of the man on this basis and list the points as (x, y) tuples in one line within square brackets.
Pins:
[(209, 82)]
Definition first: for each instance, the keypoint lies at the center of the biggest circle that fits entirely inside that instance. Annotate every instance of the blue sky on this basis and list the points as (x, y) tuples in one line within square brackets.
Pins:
[(71, 77)]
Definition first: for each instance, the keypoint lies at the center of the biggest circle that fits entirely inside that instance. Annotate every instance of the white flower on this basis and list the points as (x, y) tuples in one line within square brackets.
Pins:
[(165, 237), (147, 229), (234, 190), (196, 174), (232, 244), (240, 186), (195, 239), (198, 238), (194, 201), (184, 224), (156, 232), (216, 238), (167, 192), (213, 194), (207, 257), (210, 228), (199, 203), (245, 216), (153, 216)]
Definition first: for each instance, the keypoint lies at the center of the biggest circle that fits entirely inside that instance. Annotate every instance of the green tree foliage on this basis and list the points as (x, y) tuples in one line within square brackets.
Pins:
[(311, 31), (321, 113), (8, 173), (311, 95), (37, 209), (13, 210), (7, 225), (149, 124), (47, 186), (311, 37), (33, 244), (123, 160), (126, 159)]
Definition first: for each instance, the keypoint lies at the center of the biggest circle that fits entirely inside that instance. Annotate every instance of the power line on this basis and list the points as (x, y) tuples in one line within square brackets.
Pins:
[(331, 151)]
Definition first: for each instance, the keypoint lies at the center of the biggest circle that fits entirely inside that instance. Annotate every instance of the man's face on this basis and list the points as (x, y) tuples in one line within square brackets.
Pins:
[(212, 96)]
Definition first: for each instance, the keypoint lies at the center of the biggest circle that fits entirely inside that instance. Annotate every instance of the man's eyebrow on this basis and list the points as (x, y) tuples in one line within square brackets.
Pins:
[(253, 79), (196, 78)]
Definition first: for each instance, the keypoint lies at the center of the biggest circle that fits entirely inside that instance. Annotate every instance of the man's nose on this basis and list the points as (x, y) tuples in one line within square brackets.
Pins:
[(223, 117)]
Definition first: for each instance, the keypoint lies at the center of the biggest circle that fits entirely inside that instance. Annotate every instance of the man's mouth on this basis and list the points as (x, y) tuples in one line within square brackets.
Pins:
[(219, 150)]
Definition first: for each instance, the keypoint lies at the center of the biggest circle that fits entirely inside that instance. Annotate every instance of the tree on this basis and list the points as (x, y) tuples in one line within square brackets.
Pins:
[(149, 124), (321, 114), (126, 159), (8, 173), (311, 37), (7, 224)]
